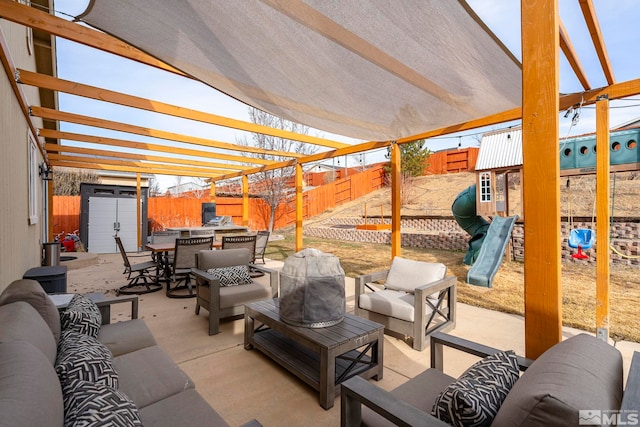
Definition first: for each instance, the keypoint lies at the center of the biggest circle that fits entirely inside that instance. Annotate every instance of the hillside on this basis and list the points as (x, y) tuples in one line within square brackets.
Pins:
[(434, 194)]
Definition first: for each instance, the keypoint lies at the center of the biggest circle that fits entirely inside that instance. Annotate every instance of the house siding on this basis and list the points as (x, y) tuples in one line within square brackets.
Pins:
[(20, 242)]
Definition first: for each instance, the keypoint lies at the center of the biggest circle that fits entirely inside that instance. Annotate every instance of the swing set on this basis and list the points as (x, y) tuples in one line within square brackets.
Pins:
[(580, 238), (584, 238)]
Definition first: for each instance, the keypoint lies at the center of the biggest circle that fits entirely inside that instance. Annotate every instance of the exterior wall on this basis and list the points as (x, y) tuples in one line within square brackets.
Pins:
[(20, 241)]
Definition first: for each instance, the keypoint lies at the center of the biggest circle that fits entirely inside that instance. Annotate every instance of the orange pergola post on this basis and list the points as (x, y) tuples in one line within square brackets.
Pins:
[(396, 183), (602, 218), (541, 175), (139, 209), (299, 207), (212, 191), (245, 200)]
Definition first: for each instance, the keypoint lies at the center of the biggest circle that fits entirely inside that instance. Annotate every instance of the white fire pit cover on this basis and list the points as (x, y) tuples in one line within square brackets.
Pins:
[(312, 290)]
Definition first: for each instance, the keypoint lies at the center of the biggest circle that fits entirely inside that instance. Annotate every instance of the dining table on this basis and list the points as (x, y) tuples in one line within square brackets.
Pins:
[(161, 255)]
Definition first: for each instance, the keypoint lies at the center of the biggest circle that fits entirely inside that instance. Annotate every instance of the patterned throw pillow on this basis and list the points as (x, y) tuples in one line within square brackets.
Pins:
[(231, 276), (82, 357), (474, 399), (89, 404), (82, 315)]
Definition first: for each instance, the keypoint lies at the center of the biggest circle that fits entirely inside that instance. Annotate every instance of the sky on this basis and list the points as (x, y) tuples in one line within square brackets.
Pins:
[(93, 67)]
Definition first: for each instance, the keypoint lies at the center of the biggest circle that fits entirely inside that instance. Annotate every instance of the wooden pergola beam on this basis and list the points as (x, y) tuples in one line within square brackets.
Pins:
[(110, 167), (99, 154), (589, 13), (48, 113), (47, 133), (572, 57), (48, 82), (149, 167)]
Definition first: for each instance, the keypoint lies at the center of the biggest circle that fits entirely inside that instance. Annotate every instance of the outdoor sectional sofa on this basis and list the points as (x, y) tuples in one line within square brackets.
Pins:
[(47, 364), (578, 381)]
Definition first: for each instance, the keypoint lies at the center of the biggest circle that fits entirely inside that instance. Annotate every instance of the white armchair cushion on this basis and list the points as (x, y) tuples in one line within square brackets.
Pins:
[(406, 275), (391, 303)]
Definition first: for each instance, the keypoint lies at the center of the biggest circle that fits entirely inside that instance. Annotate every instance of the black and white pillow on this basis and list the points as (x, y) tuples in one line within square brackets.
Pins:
[(81, 315), (82, 357), (231, 276), (475, 398), (92, 405)]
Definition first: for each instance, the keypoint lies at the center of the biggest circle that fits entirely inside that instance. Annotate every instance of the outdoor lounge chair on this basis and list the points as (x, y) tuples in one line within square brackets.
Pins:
[(415, 300), (184, 259), (223, 286), (144, 272), (552, 391)]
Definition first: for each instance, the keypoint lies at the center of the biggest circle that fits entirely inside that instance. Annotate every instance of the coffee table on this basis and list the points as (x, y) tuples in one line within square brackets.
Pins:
[(321, 357)]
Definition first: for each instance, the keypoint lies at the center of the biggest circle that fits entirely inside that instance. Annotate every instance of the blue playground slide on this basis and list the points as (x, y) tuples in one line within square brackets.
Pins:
[(492, 251), (464, 212)]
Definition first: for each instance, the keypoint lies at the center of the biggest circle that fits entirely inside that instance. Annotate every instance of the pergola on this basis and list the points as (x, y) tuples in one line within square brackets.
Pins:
[(543, 36)]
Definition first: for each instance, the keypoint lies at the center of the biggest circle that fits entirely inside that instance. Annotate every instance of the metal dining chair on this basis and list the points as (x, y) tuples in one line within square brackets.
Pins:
[(184, 259), (144, 281)]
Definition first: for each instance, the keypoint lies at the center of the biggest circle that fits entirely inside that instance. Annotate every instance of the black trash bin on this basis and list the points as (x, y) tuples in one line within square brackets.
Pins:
[(53, 279)]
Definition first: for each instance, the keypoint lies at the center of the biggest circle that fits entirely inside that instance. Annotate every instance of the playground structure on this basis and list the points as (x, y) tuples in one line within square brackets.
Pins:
[(501, 154), (488, 240)]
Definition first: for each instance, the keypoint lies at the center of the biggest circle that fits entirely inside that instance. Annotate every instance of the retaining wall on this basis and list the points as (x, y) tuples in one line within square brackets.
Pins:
[(445, 234)]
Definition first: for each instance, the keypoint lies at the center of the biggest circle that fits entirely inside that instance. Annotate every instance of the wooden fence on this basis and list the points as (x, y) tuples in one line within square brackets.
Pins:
[(169, 211)]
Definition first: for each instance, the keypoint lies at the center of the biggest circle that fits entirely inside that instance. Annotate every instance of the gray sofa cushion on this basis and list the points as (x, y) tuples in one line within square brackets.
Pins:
[(231, 296), (581, 372), (125, 337), (30, 392), (187, 408), (32, 292), (26, 325), (223, 258), (421, 392), (149, 375)]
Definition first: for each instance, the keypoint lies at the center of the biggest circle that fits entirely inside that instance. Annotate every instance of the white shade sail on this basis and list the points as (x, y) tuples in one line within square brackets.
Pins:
[(375, 70)]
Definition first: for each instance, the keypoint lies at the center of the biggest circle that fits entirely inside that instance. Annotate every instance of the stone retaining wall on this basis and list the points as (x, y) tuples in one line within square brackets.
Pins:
[(445, 234)]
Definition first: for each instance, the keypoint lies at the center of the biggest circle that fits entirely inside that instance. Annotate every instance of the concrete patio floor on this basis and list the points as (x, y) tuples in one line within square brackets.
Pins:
[(242, 385)]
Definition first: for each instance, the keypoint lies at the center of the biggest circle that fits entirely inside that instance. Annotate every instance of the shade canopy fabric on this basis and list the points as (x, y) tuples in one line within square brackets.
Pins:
[(375, 70)]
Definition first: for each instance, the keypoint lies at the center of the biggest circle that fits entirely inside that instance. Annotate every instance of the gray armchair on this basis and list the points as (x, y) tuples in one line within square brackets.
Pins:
[(415, 300), (215, 268)]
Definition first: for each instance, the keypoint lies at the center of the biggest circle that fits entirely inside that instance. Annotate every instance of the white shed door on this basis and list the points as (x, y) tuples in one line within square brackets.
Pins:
[(109, 217)]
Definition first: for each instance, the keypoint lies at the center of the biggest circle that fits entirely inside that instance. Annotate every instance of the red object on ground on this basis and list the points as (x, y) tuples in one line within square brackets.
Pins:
[(69, 245)]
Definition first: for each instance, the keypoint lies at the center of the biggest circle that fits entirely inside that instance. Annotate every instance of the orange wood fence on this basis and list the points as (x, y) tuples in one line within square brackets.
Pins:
[(168, 211)]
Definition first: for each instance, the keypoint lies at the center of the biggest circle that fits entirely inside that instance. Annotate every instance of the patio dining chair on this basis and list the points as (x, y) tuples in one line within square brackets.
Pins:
[(244, 241), (144, 280), (262, 239), (184, 259), (164, 236)]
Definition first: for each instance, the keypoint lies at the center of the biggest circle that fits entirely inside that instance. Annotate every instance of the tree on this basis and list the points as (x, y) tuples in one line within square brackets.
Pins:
[(274, 186), (66, 182), (414, 159), (154, 187)]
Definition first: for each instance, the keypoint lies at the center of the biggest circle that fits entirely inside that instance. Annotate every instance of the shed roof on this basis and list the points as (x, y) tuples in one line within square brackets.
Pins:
[(500, 150)]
